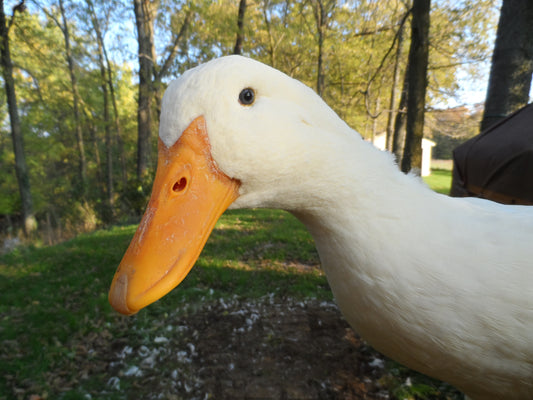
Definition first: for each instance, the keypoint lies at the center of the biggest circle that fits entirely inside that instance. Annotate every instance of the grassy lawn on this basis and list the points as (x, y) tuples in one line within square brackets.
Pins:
[(440, 180), (53, 300)]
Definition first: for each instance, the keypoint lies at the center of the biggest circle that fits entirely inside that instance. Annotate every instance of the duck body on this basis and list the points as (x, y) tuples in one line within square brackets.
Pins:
[(439, 284)]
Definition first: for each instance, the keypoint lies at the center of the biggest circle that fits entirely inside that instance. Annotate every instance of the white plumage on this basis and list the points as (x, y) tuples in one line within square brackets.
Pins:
[(442, 285)]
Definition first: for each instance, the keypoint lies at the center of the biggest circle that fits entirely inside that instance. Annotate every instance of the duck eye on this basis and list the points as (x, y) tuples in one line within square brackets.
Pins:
[(247, 97)]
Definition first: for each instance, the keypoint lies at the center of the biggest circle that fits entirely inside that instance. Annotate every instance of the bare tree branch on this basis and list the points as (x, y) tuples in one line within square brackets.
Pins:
[(382, 63), (158, 75)]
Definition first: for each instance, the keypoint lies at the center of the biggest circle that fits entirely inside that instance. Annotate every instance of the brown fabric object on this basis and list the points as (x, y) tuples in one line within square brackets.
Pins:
[(497, 164)]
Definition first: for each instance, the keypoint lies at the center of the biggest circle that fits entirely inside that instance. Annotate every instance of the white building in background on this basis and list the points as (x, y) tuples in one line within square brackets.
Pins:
[(427, 145)]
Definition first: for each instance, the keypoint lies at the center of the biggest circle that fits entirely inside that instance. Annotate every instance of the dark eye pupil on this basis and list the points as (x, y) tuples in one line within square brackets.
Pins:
[(247, 96)]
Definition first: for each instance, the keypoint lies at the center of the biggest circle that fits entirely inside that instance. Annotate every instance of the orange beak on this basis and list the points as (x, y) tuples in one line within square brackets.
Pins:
[(188, 196)]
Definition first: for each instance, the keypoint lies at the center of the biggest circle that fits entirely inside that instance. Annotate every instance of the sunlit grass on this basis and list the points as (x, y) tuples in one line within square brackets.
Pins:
[(440, 180)]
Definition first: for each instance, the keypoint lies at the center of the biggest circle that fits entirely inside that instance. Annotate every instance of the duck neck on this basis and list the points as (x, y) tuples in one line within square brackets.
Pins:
[(360, 228), (356, 184)]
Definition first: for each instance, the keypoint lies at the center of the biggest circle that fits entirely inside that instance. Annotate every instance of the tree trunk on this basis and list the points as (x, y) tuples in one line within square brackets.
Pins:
[(144, 19), (394, 91), (110, 83), (107, 118), (21, 168), (375, 120), (398, 138), (108, 141), (118, 127), (75, 103), (512, 62), (95, 140), (151, 74), (240, 28), (321, 23), (272, 43), (323, 10), (271, 47), (417, 73), (320, 63)]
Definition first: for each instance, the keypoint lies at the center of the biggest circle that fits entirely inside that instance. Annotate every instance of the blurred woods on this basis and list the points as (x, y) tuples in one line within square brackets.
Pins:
[(89, 76)]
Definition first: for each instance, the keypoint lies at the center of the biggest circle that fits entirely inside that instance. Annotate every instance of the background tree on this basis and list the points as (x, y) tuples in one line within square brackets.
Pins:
[(63, 25), (47, 121), (398, 135), (323, 12), (416, 96), (105, 85), (145, 12), (240, 27), (150, 73), (21, 168), (512, 62), (395, 86)]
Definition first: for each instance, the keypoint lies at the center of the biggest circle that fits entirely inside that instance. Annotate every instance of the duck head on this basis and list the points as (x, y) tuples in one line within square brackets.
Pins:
[(233, 133)]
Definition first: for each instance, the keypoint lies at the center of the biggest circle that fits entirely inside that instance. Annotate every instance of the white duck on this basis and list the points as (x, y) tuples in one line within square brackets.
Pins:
[(442, 285)]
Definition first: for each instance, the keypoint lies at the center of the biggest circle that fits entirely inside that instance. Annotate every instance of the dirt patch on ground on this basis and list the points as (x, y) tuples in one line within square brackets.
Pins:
[(265, 349), (271, 351), (220, 349)]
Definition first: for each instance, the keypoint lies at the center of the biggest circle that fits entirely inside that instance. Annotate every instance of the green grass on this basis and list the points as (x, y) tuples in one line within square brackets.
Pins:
[(48, 296), (54, 299), (254, 253), (440, 180)]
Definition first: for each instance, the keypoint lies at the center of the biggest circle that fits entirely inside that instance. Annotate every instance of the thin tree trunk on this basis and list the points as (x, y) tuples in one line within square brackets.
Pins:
[(375, 120), (512, 62), (144, 18), (75, 102), (394, 92), (107, 118), (49, 230), (272, 44), (323, 10), (118, 127), (266, 4), (240, 28), (320, 64), (93, 137), (110, 83), (108, 141), (21, 168), (150, 75), (418, 63), (321, 22), (398, 138)]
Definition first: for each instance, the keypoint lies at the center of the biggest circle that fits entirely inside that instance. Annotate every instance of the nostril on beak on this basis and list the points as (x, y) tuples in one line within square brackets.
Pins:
[(180, 185)]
